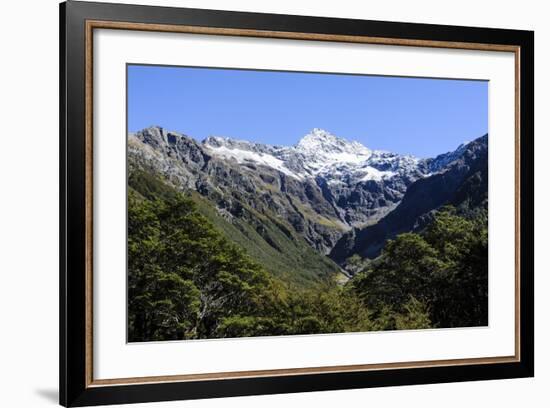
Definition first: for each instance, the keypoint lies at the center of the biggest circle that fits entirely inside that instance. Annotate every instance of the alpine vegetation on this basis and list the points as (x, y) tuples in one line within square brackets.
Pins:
[(231, 238)]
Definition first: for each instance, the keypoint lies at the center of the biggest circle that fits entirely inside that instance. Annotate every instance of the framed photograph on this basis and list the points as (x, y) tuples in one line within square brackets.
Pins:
[(256, 203)]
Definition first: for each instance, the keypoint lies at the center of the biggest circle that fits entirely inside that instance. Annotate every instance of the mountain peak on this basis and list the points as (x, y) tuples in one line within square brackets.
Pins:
[(318, 136), (322, 141), (321, 134)]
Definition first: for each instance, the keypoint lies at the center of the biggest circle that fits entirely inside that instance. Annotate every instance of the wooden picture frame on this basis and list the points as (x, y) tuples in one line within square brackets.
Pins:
[(78, 20)]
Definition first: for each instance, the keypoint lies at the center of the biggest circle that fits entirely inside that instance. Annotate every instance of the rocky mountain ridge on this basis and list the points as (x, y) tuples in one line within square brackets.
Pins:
[(462, 182), (319, 188), (319, 153)]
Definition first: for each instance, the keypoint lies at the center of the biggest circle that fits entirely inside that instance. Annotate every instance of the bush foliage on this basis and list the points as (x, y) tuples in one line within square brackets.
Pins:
[(187, 280)]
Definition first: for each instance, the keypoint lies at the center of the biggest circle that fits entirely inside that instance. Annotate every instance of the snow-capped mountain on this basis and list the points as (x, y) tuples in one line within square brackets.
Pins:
[(320, 153), (321, 187), (322, 150)]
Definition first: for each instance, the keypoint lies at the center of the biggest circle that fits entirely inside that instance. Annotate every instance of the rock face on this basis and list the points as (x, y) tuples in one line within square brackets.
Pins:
[(360, 185), (321, 187), (339, 196), (460, 178)]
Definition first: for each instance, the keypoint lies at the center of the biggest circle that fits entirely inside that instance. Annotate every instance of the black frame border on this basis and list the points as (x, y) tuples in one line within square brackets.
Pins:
[(72, 123)]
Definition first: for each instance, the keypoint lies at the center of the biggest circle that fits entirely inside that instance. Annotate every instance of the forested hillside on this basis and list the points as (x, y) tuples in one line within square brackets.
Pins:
[(188, 279)]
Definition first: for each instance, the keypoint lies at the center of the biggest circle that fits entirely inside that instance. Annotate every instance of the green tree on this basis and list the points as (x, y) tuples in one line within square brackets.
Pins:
[(463, 296), (440, 275), (185, 278), (406, 267)]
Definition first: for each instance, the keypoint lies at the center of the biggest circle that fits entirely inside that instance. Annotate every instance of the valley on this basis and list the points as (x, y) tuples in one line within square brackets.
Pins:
[(229, 238), (302, 210)]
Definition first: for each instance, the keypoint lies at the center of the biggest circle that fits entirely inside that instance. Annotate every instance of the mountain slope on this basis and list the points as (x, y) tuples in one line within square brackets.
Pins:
[(291, 205), (359, 184), (268, 241), (272, 244), (461, 181), (323, 186)]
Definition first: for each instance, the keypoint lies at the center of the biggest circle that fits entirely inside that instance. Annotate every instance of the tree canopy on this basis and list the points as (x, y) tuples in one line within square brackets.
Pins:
[(187, 280)]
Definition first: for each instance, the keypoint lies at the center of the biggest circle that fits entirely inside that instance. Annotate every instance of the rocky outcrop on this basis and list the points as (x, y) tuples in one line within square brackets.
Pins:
[(462, 182), (322, 187)]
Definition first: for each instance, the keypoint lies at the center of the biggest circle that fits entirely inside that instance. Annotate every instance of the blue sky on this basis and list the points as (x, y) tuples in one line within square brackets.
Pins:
[(418, 116)]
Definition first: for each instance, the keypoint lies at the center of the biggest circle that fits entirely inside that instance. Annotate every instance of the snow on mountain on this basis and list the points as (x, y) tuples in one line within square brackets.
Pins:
[(323, 148), (245, 152), (322, 186), (319, 153)]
